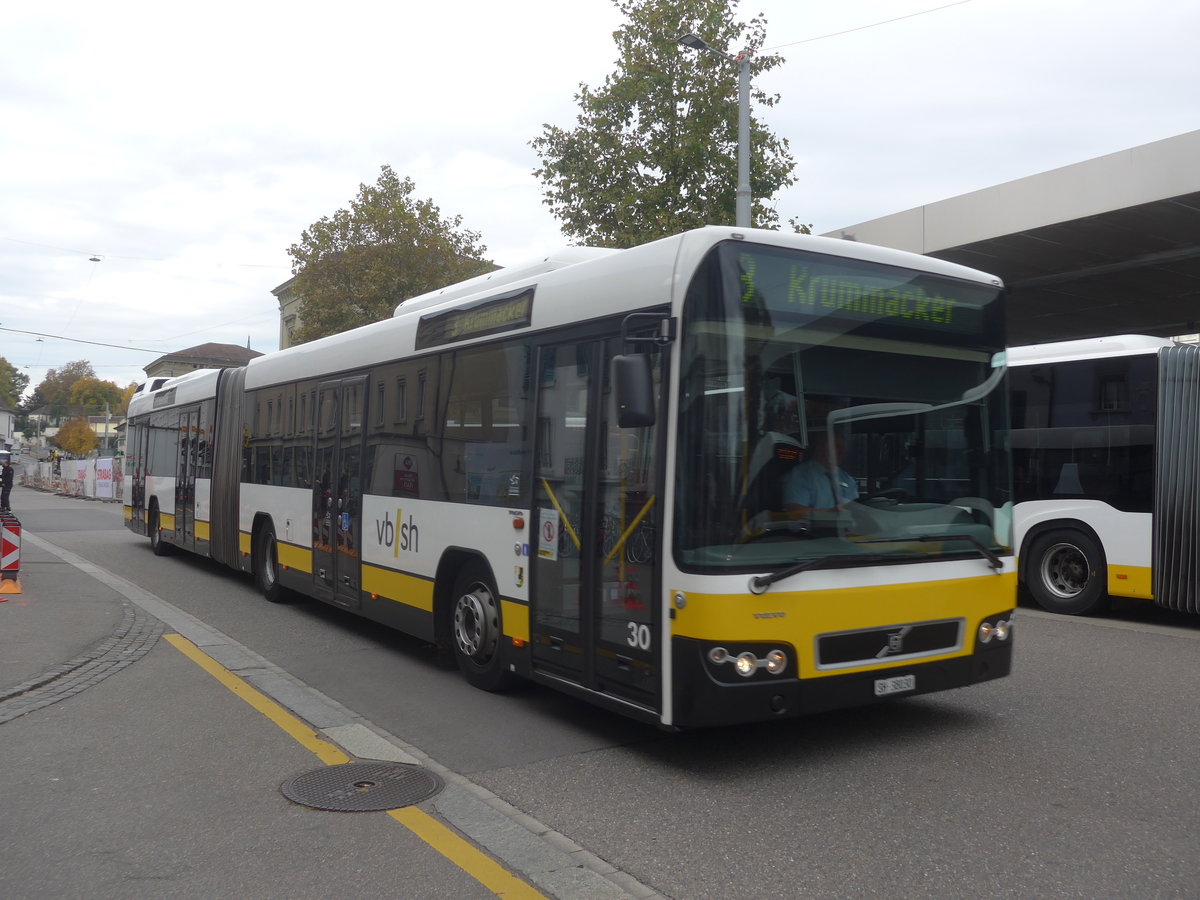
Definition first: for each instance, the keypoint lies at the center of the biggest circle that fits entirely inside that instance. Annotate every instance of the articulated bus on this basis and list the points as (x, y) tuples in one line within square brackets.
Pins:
[(1106, 445), (578, 473)]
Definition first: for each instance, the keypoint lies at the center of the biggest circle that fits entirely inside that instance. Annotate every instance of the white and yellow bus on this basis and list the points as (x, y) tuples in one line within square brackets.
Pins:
[(582, 472), (1106, 455)]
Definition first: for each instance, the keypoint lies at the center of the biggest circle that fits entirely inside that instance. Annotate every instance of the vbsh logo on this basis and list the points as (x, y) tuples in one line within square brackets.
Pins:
[(398, 535)]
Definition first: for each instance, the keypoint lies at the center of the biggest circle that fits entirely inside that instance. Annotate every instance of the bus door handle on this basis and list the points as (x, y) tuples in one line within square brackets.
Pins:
[(624, 663)]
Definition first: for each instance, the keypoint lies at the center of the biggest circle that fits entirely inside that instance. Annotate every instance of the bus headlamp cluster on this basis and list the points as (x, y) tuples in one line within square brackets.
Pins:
[(747, 663), (999, 630)]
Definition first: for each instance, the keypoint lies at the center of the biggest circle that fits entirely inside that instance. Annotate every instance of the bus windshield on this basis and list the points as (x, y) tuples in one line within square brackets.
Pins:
[(835, 409)]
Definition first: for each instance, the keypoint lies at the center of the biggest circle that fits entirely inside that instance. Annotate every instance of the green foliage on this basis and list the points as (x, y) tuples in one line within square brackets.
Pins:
[(12, 384), (75, 437), (55, 389), (91, 394), (654, 150), (353, 267)]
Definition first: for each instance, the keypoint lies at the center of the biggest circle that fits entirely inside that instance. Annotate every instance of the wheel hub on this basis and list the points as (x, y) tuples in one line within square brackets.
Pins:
[(1065, 571), (475, 624)]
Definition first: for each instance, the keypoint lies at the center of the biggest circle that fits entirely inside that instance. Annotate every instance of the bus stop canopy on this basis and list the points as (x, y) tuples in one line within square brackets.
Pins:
[(1106, 246)]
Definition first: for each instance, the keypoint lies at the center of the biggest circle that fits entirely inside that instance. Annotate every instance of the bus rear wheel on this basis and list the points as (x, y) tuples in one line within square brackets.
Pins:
[(266, 566), (1067, 573), (157, 544), (477, 629)]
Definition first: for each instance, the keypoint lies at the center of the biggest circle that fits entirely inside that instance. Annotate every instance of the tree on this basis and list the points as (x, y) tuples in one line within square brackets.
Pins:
[(55, 388), (354, 267), (76, 437), (12, 384), (654, 150), (92, 395)]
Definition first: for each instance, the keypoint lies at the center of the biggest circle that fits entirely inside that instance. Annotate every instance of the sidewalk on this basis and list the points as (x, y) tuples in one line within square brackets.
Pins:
[(64, 629), (135, 766)]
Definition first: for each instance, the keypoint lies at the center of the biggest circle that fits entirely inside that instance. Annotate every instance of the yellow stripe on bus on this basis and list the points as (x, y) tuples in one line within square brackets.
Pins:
[(1130, 581), (515, 617), (294, 557), (202, 530), (403, 588)]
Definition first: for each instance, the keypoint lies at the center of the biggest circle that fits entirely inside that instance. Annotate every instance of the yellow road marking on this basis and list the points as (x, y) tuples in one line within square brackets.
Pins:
[(478, 865), (322, 749), (474, 862)]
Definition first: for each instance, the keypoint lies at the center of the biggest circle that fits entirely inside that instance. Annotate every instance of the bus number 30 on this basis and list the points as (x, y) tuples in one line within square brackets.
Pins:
[(639, 636)]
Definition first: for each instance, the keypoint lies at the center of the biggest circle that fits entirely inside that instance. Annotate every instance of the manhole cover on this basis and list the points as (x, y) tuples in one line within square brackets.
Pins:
[(362, 787)]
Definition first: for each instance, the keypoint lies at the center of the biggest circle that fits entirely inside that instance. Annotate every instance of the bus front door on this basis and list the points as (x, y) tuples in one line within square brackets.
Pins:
[(337, 491), (593, 618)]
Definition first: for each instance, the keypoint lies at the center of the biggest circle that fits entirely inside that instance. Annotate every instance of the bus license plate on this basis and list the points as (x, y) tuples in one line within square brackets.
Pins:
[(885, 687)]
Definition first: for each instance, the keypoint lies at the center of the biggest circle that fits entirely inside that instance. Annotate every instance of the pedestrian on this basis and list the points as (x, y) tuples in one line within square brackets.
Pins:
[(6, 483)]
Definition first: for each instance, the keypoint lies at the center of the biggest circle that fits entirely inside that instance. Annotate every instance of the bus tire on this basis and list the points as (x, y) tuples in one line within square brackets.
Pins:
[(266, 566), (477, 629), (1067, 573), (157, 544)]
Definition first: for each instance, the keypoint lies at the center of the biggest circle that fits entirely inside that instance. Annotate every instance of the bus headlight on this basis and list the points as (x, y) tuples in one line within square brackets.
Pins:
[(729, 664), (776, 661), (995, 630)]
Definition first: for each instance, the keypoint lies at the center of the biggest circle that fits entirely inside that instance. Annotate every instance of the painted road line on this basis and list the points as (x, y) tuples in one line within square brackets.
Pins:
[(475, 863)]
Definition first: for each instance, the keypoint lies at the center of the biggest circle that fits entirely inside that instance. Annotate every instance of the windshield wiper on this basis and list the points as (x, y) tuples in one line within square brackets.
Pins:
[(759, 583), (986, 552)]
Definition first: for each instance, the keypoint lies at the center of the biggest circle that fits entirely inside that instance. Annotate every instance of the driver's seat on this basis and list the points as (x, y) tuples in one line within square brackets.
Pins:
[(775, 454)]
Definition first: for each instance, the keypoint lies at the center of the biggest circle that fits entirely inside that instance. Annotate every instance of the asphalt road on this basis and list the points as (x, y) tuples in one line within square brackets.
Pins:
[(1074, 777)]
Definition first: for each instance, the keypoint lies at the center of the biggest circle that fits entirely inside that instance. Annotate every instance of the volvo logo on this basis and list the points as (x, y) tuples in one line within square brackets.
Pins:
[(895, 643)]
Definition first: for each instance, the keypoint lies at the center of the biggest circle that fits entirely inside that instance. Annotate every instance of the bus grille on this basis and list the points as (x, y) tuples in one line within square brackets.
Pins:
[(874, 645)]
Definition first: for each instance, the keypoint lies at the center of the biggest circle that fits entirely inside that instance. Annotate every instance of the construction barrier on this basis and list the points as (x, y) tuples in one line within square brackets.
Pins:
[(89, 479), (10, 555)]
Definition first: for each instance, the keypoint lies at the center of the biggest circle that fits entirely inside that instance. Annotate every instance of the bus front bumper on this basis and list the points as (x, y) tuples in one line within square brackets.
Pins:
[(702, 701)]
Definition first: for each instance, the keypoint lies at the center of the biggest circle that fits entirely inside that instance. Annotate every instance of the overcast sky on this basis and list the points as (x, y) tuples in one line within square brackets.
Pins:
[(187, 146)]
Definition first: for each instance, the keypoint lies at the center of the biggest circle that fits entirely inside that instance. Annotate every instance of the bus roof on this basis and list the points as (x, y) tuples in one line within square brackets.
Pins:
[(189, 387), (575, 285), (1087, 348)]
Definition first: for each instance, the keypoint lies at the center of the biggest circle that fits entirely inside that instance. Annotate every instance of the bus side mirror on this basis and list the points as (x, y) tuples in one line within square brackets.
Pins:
[(633, 380)]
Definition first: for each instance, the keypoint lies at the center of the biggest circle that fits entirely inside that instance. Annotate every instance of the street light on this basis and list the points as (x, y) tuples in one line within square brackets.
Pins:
[(742, 61)]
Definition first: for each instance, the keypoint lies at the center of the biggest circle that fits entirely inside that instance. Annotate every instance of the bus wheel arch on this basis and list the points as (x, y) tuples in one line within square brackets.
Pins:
[(264, 555), (1064, 569), (469, 624)]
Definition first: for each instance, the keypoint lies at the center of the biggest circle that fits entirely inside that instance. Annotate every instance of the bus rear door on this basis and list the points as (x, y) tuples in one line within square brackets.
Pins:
[(337, 491)]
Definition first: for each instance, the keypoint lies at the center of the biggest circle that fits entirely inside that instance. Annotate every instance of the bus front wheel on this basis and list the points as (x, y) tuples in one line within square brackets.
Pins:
[(477, 630), (1067, 573)]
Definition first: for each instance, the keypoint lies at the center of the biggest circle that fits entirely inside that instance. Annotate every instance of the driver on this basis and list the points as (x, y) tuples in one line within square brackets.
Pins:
[(810, 487)]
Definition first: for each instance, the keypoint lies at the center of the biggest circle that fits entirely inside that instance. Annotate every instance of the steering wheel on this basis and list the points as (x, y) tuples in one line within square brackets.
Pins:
[(785, 530), (887, 496)]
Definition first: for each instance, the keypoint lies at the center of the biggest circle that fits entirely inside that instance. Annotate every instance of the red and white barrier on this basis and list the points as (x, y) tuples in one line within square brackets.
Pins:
[(10, 555)]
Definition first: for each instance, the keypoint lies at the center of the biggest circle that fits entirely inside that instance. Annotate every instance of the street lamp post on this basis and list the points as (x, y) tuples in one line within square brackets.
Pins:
[(742, 61)]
